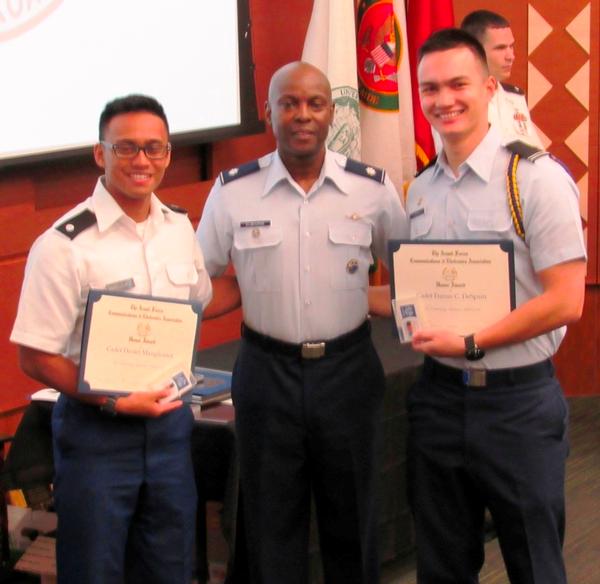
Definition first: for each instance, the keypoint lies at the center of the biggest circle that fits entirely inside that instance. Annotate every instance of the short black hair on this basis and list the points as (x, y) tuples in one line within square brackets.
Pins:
[(128, 104), (477, 22), (452, 38)]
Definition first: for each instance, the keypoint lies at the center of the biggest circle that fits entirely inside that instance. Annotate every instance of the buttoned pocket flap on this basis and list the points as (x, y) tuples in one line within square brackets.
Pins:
[(350, 233)]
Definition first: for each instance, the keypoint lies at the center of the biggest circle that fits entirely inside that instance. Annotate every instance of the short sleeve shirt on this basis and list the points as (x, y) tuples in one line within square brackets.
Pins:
[(302, 259), (474, 205), (162, 258)]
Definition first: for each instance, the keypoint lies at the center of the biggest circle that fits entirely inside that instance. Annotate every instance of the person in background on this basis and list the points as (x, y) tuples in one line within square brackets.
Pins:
[(508, 107), (300, 225), (124, 487), (487, 417)]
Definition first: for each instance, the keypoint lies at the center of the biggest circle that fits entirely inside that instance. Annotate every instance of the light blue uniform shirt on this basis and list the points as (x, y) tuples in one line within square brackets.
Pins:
[(301, 259), (474, 205)]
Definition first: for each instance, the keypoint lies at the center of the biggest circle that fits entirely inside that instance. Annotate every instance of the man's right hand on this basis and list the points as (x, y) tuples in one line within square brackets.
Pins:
[(146, 403)]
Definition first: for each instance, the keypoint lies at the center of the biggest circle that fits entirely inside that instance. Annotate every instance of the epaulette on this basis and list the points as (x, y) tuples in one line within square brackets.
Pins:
[(512, 88), (524, 150), (176, 208), (362, 169), (428, 165), (238, 172), (75, 225)]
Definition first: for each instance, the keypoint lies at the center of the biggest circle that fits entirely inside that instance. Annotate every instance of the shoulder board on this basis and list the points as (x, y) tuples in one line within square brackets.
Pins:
[(75, 225), (362, 169), (238, 172), (531, 153), (428, 165), (512, 88), (175, 208)]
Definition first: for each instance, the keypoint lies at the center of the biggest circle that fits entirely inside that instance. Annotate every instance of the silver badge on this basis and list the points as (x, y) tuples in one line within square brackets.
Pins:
[(352, 266)]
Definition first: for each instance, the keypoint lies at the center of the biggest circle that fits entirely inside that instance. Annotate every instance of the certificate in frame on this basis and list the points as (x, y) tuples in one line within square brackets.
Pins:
[(461, 286), (132, 342)]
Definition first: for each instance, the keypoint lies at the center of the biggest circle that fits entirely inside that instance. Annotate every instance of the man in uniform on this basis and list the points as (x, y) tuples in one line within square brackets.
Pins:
[(299, 225), (488, 419), (124, 486), (508, 107)]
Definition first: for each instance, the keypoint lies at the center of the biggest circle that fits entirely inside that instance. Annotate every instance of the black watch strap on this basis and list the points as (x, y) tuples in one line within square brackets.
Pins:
[(472, 351), (109, 407)]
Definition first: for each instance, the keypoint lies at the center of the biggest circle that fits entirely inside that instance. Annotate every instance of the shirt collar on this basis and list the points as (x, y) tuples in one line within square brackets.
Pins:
[(108, 211), (480, 161), (331, 170)]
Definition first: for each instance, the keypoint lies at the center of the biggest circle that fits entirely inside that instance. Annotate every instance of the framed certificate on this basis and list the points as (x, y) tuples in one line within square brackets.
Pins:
[(461, 286), (136, 343)]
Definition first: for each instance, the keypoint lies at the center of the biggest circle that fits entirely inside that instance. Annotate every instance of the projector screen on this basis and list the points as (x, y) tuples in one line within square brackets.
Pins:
[(63, 60)]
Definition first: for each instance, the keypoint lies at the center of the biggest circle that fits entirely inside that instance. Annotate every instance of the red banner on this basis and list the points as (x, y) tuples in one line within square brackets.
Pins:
[(424, 17)]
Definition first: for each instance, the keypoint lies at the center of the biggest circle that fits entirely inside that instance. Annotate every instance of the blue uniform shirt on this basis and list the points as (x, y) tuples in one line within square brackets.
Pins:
[(301, 259), (474, 205)]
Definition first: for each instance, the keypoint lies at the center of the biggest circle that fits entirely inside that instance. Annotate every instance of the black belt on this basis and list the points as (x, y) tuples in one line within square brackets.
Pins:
[(481, 378), (311, 349)]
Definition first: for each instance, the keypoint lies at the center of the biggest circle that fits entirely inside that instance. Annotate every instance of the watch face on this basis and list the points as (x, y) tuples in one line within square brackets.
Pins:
[(474, 354)]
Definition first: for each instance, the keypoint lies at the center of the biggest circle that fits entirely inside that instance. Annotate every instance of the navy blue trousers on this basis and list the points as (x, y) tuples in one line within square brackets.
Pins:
[(125, 496), (503, 448), (309, 426)]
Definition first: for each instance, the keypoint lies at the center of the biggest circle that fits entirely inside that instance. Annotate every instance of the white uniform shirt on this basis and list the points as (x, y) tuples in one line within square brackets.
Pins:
[(162, 259), (301, 259), (508, 111), (474, 205)]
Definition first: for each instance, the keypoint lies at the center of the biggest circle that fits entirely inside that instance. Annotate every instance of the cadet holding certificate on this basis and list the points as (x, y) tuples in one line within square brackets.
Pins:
[(487, 416), (488, 419), (124, 488)]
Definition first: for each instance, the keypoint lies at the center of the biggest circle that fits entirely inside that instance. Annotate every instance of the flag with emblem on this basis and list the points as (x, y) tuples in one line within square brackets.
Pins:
[(330, 45), (424, 17), (387, 136)]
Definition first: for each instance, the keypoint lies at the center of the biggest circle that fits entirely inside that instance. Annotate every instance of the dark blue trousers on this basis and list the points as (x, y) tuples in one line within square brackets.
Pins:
[(125, 496), (503, 448), (309, 426)]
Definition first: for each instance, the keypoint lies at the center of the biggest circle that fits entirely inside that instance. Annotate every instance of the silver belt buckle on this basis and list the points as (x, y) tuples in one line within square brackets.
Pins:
[(475, 377), (313, 350)]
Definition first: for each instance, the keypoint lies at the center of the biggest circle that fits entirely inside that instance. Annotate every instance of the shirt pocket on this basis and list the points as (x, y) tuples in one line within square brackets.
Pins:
[(351, 247), (258, 257), (489, 223), (181, 276), (420, 225)]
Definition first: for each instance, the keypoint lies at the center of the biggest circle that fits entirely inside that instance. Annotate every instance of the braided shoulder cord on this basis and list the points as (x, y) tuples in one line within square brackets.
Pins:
[(514, 200)]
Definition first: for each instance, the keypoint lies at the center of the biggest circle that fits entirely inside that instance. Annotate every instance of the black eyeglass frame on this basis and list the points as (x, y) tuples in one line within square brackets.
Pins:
[(115, 148)]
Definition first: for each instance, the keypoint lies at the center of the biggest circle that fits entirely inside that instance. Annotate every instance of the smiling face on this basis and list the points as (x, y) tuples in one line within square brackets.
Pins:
[(499, 46), (132, 180), (455, 89), (300, 111)]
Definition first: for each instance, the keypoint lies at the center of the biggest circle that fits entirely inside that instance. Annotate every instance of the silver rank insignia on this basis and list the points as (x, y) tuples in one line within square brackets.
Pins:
[(352, 266)]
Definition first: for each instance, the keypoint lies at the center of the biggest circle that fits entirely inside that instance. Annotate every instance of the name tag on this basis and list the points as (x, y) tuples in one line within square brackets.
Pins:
[(259, 223), (416, 213), (121, 285)]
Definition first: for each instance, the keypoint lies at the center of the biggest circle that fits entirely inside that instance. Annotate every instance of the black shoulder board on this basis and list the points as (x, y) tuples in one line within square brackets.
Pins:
[(176, 208), (531, 153), (73, 226), (234, 173), (428, 165), (362, 169), (512, 88)]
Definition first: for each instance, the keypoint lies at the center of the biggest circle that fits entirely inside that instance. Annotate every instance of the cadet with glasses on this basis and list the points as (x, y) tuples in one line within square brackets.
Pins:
[(124, 486)]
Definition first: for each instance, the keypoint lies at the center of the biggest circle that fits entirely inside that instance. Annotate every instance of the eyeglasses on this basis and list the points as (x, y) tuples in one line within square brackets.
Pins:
[(152, 150)]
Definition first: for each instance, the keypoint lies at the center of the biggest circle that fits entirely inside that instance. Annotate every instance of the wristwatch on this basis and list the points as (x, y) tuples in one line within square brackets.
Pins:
[(472, 351), (109, 406)]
